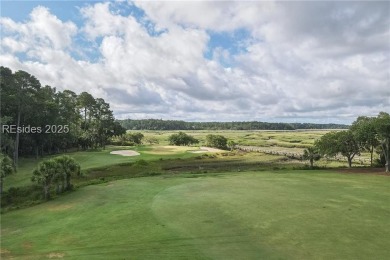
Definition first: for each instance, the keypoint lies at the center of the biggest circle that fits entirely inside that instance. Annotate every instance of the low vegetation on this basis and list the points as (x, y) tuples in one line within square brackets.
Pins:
[(182, 138), (217, 141), (129, 139)]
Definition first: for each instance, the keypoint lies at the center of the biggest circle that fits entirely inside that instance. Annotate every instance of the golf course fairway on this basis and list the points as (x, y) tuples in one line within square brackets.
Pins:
[(246, 215)]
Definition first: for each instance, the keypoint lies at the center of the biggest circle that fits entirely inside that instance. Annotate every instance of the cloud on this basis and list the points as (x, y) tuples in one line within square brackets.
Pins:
[(313, 60), (43, 29), (207, 15)]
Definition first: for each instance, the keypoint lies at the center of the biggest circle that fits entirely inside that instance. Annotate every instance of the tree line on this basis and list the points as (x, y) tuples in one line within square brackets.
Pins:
[(159, 124), (371, 134), (38, 120)]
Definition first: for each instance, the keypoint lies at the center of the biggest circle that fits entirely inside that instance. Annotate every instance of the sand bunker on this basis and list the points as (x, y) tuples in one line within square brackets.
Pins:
[(125, 152), (206, 150)]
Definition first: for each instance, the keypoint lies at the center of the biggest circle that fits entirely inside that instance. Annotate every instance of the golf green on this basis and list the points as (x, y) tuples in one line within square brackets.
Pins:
[(251, 215)]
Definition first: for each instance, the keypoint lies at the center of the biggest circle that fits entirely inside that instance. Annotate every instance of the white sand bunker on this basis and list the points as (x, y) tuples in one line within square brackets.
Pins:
[(207, 150), (125, 152)]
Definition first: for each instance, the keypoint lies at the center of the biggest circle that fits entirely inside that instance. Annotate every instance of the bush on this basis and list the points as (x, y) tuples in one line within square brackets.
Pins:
[(21, 196), (128, 139), (182, 139), (141, 162), (216, 141)]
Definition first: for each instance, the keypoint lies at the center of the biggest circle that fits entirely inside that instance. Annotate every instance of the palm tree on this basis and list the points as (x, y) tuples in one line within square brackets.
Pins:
[(45, 174), (67, 167), (59, 180), (311, 154)]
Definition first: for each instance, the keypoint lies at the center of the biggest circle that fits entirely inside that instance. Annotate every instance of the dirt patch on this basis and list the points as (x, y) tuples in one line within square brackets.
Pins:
[(4, 251), (375, 171), (125, 153), (27, 245), (60, 207), (204, 149), (55, 255)]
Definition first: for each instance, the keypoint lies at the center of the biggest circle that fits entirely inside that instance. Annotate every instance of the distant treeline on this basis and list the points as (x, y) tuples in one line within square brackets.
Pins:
[(159, 124)]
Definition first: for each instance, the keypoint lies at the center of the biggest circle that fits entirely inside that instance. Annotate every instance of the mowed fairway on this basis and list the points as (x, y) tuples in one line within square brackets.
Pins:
[(251, 215)]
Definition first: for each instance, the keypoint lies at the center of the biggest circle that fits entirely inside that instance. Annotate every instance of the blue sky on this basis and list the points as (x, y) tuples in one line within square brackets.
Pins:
[(20, 10), (206, 61)]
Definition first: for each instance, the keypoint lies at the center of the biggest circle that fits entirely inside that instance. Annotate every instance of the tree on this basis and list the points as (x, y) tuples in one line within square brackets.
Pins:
[(6, 83), (67, 168), (5, 169), (343, 142), (118, 129), (45, 174), (311, 154), (366, 133), (231, 144), (382, 126), (19, 90), (136, 138), (217, 141), (6, 141), (59, 181), (68, 115), (86, 103), (182, 139)]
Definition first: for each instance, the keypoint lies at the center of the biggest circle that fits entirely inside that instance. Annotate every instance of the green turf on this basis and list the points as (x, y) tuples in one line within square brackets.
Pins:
[(251, 215), (87, 159), (94, 159), (272, 141)]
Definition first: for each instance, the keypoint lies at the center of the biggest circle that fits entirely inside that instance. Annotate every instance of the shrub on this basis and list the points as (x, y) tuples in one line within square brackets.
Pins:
[(128, 139), (182, 139), (217, 141), (141, 162)]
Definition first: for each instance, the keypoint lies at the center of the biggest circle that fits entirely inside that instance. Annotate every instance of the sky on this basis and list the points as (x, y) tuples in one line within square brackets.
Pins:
[(275, 61)]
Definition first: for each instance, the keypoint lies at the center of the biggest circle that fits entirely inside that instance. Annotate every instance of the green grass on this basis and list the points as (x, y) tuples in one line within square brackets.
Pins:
[(251, 215), (163, 157), (87, 159), (275, 141), (95, 159)]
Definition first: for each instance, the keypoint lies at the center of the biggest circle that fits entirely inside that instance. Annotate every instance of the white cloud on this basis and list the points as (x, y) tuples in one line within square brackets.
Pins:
[(43, 29), (208, 15), (311, 60)]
